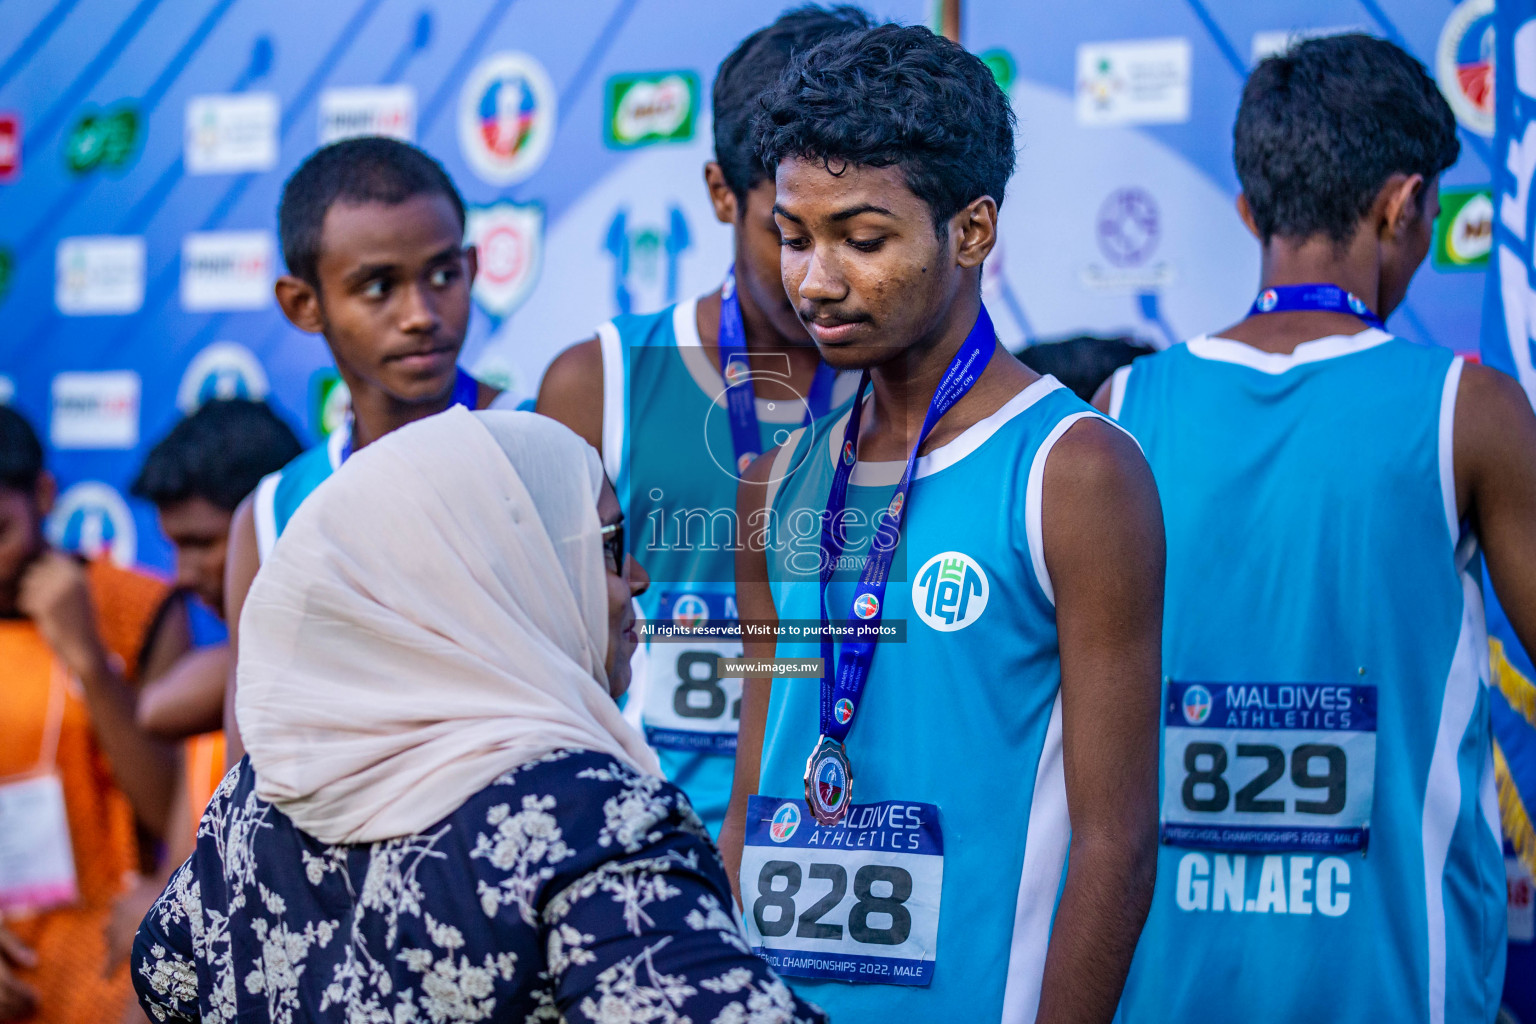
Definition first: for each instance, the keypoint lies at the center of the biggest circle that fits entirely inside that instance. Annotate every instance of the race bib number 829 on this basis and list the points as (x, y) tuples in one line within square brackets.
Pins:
[(1269, 766)]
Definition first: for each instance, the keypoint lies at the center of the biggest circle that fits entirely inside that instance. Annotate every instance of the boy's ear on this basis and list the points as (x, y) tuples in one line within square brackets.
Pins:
[(720, 195), (1401, 202), (300, 302), (973, 231), (1246, 213)]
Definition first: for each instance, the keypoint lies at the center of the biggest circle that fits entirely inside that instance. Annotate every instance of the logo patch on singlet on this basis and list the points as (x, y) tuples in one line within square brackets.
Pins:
[(950, 591)]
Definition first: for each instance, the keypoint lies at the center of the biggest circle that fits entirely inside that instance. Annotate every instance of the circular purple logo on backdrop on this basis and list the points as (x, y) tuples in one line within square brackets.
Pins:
[(1127, 227)]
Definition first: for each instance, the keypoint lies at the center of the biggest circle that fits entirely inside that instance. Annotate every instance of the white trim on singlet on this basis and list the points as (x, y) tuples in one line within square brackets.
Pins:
[(1117, 382), (1468, 674), (881, 474), (1034, 501), (506, 401), (780, 468), (1447, 448), (1045, 856), (264, 514), (1225, 350), (613, 398), (1442, 791)]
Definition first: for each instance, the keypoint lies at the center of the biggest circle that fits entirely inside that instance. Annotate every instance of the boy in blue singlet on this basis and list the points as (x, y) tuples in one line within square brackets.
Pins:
[(650, 393), (372, 231), (1330, 494), (900, 826)]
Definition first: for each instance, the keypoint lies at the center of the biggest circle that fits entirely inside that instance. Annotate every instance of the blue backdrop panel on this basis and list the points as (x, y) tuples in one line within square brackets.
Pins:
[(592, 203)]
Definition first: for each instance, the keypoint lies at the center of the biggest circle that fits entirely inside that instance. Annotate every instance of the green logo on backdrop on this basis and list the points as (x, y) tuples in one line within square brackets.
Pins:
[(329, 402), (1464, 229), (656, 107), (102, 139), (7, 267), (1000, 63)]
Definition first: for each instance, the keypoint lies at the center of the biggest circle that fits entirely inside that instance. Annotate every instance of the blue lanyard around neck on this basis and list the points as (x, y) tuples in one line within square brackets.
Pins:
[(1320, 298), (466, 392), (740, 396), (842, 691)]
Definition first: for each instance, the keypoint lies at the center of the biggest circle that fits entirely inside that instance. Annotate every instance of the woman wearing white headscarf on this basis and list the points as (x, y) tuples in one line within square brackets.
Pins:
[(442, 815)]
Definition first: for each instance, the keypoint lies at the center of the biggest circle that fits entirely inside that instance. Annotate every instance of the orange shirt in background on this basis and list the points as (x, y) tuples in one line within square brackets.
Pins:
[(70, 941), (205, 770)]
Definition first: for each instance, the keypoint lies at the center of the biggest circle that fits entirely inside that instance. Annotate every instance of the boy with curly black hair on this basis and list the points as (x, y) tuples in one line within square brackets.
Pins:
[(985, 511)]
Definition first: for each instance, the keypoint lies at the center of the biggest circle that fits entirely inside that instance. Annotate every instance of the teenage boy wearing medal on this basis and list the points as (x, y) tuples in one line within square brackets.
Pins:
[(372, 231), (1333, 848), (918, 866), (79, 781), (679, 401)]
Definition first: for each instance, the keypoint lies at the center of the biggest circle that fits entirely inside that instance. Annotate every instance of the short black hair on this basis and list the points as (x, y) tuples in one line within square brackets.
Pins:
[(896, 95), (21, 453), (1322, 127), (1083, 362), (752, 69), (369, 169), (219, 453)]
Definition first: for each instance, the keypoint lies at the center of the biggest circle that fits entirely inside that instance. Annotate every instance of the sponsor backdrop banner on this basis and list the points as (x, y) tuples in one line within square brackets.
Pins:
[(143, 147), (1509, 334)]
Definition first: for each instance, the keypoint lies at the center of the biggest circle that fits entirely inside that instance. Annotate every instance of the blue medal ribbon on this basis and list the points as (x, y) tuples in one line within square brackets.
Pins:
[(1324, 298), (841, 693), (466, 392), (740, 397)]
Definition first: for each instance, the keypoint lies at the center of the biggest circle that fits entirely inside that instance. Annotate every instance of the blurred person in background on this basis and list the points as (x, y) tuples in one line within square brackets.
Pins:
[(1084, 361), (196, 477), (372, 232), (487, 838), (678, 399), (85, 795)]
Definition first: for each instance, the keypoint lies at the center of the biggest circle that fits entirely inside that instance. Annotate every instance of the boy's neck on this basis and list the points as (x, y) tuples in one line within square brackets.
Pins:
[(1354, 267), (903, 389), (375, 414), (762, 339)]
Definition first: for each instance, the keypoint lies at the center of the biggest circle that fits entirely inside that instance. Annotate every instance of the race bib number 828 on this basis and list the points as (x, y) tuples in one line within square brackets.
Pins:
[(857, 901)]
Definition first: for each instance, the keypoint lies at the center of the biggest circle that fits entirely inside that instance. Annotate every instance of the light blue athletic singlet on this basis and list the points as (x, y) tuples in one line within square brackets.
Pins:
[(667, 447), (1326, 690), (958, 731)]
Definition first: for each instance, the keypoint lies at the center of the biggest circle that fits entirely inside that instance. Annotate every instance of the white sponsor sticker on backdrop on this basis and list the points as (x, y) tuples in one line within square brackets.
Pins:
[(99, 274), (223, 270), (1145, 81), (388, 110), (95, 410), (231, 133), (1522, 900), (1269, 43)]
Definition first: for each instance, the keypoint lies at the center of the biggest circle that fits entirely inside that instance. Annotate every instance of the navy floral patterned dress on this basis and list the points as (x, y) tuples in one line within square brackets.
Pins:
[(571, 888)]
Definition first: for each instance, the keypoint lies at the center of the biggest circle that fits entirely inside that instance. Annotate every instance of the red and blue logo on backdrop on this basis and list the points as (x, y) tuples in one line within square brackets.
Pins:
[(507, 117)]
